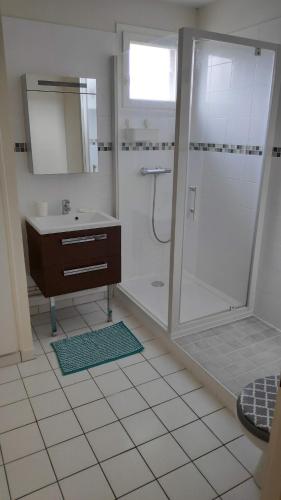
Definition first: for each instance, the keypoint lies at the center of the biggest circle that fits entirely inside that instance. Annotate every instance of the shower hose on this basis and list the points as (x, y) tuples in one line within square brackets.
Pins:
[(153, 214)]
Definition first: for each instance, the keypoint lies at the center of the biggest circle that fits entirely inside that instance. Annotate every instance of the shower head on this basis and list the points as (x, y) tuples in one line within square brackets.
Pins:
[(155, 171)]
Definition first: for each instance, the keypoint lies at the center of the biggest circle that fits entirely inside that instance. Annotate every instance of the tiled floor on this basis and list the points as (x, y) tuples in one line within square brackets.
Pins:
[(237, 353), (141, 428)]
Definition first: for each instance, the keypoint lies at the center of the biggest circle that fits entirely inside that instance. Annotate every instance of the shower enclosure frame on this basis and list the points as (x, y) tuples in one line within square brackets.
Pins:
[(187, 36)]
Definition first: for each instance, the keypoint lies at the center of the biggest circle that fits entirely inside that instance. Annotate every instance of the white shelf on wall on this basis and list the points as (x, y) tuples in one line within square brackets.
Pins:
[(141, 134)]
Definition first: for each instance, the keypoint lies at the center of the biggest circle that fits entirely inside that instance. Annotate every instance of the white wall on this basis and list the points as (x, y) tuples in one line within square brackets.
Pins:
[(103, 14), (37, 47), (260, 20), (229, 16), (230, 106), (34, 47), (15, 329)]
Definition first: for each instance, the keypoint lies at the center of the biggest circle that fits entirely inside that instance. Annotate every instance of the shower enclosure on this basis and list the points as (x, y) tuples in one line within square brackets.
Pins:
[(191, 237)]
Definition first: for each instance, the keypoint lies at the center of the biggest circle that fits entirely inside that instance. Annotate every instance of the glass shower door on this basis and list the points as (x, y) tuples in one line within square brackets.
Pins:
[(223, 109)]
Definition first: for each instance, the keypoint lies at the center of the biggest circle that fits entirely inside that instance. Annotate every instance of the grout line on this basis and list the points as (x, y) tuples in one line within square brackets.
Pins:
[(44, 444), (119, 420)]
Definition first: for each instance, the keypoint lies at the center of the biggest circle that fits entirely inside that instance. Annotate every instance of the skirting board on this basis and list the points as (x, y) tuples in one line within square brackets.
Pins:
[(10, 359)]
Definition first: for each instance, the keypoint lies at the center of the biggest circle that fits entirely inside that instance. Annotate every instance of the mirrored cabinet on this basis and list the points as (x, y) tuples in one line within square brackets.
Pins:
[(61, 122)]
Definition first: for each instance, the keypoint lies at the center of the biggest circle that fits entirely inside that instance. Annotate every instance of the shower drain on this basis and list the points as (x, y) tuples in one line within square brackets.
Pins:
[(158, 283)]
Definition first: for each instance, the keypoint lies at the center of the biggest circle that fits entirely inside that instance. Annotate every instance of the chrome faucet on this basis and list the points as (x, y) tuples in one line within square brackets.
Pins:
[(66, 207)]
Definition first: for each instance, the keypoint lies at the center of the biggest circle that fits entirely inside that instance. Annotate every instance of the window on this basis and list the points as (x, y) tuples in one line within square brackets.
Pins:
[(150, 71)]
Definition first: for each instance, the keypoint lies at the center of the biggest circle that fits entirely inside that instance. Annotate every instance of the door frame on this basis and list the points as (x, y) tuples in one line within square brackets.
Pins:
[(187, 36)]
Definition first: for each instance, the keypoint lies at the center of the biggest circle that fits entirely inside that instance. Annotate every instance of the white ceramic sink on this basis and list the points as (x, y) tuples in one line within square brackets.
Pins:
[(71, 222)]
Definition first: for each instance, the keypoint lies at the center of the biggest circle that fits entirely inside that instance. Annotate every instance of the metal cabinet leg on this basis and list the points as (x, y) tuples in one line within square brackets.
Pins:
[(109, 302), (53, 315)]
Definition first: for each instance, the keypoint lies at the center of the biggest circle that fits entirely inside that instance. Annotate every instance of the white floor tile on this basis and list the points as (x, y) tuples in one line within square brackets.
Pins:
[(196, 439), (8, 374), (163, 455), (71, 324), (90, 484), (79, 331), (156, 392), (15, 415), (53, 360), (34, 366), (224, 425), (29, 474), (166, 364), (89, 307), (119, 312), (141, 373), (40, 319), (127, 403), (38, 350), (246, 452), (95, 319), (187, 483), (12, 392), (174, 413), (137, 472), (130, 321), (44, 331), (71, 456), (113, 382), (151, 491), (109, 441), (143, 426), (46, 342), (41, 383), (59, 428), (143, 334), (222, 470), (49, 493), (49, 404), (153, 349), (94, 415), (4, 491), (130, 360), (102, 369), (72, 378), (182, 382), (66, 312), (83, 392), (202, 402), (21, 442), (245, 491)]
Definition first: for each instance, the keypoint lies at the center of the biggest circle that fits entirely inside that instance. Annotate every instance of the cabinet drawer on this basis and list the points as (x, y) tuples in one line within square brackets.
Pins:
[(101, 271), (77, 248)]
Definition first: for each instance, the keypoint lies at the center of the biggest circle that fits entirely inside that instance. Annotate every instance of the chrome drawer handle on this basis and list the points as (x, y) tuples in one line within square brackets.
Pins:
[(82, 270), (83, 239)]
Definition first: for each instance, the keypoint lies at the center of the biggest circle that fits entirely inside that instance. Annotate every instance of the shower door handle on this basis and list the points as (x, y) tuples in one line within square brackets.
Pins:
[(192, 205)]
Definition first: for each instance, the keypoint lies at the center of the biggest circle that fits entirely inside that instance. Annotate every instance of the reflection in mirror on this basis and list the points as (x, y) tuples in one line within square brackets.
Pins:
[(61, 117)]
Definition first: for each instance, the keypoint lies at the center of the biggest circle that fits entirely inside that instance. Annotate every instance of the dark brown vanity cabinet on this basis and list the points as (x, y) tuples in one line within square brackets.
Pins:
[(71, 261)]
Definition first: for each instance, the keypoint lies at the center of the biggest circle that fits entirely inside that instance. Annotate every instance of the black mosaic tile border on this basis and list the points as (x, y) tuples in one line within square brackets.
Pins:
[(147, 146), (276, 152), (22, 147), (226, 148), (104, 146)]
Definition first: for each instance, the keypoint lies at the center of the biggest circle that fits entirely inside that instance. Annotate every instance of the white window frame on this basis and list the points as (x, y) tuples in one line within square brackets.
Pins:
[(147, 37)]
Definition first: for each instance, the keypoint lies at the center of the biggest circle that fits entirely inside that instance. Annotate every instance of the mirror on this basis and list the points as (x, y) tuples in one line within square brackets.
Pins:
[(61, 115)]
